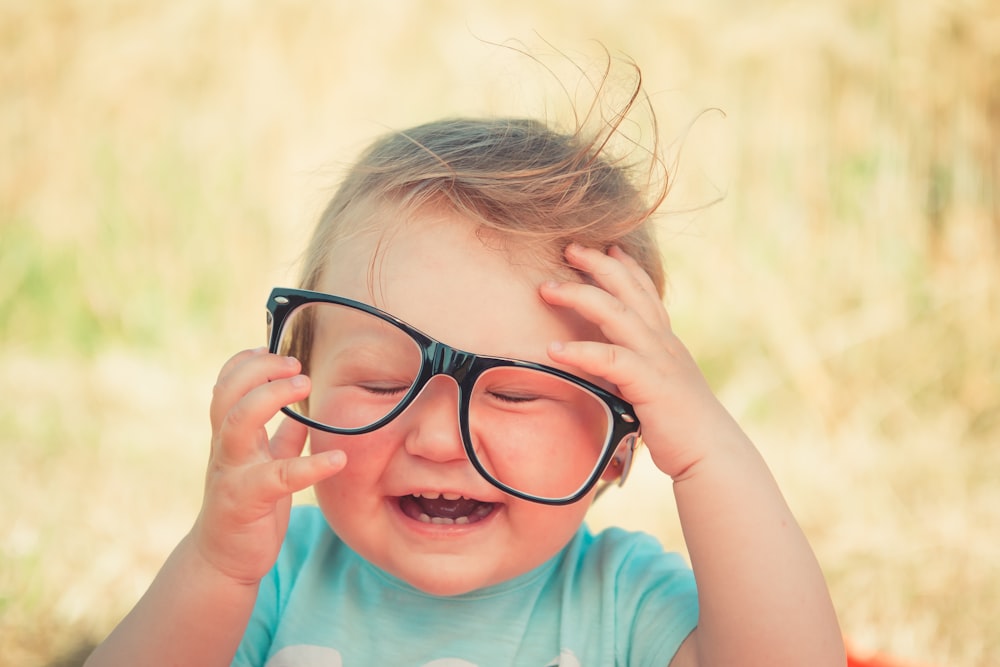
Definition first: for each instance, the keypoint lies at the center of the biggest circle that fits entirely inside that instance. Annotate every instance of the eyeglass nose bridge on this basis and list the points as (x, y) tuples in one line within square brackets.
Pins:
[(443, 359), (460, 366), (447, 360)]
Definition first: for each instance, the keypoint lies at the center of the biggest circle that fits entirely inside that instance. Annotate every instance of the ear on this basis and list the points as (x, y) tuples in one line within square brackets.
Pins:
[(621, 462), (613, 472)]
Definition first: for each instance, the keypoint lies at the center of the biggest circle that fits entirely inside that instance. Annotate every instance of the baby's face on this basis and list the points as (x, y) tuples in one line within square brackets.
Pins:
[(409, 500)]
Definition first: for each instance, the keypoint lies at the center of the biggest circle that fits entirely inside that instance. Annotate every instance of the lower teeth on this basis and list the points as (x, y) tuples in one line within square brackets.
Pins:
[(424, 518)]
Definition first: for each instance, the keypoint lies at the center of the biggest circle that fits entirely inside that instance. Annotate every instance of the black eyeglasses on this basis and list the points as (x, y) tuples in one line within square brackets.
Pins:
[(533, 431)]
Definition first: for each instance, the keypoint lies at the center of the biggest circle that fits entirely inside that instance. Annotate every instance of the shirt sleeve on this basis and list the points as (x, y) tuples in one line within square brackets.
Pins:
[(657, 602), (304, 525)]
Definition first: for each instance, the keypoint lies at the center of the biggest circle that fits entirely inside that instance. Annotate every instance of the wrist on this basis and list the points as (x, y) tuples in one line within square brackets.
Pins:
[(208, 561)]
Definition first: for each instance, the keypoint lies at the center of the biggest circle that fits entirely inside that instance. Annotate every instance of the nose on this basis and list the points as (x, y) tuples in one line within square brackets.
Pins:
[(433, 432)]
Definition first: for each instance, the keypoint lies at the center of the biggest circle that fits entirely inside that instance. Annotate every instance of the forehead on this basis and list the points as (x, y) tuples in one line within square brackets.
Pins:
[(435, 272)]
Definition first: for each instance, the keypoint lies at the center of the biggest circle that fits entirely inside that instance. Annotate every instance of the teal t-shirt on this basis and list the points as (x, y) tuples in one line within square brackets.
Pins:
[(614, 598)]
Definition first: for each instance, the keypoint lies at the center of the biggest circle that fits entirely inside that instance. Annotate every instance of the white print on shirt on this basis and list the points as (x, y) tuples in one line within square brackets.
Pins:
[(319, 656), (306, 656), (565, 659)]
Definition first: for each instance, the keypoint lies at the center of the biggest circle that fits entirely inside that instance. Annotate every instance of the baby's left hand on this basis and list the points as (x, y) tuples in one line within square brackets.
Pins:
[(682, 420)]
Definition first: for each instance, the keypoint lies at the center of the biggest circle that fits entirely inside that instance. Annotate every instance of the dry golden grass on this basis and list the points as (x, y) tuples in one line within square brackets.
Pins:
[(165, 160)]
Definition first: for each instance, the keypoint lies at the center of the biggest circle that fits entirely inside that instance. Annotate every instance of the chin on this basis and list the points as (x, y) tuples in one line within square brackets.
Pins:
[(444, 589), (447, 581)]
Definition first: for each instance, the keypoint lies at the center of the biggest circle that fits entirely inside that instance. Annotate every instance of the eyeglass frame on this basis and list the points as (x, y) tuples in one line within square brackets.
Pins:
[(464, 368)]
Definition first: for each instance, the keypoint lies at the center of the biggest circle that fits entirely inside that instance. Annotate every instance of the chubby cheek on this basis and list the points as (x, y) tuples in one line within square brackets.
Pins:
[(367, 447), (545, 461), (539, 539), (320, 441), (366, 459), (542, 530)]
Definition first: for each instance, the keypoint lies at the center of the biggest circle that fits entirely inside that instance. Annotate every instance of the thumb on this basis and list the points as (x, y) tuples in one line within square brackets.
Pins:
[(289, 439)]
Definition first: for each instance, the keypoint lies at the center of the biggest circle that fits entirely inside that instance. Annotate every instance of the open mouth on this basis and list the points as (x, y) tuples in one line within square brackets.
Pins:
[(444, 509)]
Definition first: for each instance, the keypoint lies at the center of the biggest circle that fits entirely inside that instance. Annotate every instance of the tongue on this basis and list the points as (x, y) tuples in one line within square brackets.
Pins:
[(447, 509)]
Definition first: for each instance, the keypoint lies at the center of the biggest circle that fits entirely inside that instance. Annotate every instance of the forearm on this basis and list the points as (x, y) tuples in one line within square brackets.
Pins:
[(191, 615), (762, 595)]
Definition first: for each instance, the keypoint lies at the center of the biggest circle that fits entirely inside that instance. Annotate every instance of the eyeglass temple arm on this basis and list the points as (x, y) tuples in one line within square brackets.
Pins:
[(623, 461)]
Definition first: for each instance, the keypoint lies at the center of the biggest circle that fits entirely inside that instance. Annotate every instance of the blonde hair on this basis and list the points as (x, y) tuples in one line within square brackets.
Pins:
[(527, 184)]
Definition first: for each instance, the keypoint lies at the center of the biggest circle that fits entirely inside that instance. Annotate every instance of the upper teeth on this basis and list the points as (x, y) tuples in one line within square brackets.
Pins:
[(433, 495)]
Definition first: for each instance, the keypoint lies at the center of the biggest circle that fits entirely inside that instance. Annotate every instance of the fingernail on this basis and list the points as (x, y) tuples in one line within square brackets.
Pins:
[(556, 346), (336, 457), (300, 381)]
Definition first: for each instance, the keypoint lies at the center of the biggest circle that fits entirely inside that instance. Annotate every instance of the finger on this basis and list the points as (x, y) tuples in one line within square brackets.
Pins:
[(618, 365), (241, 436), (620, 276), (233, 363), (289, 439), (242, 373), (238, 359), (638, 274), (619, 323), (278, 479)]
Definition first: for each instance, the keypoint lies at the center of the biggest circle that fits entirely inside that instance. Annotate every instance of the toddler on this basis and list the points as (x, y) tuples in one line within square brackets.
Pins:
[(477, 345)]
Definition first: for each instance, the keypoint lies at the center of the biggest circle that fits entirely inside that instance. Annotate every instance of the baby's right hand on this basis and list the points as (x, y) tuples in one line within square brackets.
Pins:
[(251, 477)]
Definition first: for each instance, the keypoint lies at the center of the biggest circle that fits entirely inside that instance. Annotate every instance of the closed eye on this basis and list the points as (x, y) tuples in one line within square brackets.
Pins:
[(514, 398), (384, 389)]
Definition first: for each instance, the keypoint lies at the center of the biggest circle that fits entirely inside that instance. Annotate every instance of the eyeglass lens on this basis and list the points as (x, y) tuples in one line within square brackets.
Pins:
[(531, 430)]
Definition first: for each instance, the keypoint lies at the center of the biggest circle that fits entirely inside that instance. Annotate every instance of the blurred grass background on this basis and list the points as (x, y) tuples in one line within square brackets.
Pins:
[(163, 163)]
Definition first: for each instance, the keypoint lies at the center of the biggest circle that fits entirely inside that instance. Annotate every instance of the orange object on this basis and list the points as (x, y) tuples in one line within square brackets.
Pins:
[(854, 659)]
